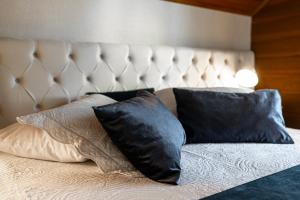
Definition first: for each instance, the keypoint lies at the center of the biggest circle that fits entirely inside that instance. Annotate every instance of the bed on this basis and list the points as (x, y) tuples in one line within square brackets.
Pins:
[(207, 169), (37, 75)]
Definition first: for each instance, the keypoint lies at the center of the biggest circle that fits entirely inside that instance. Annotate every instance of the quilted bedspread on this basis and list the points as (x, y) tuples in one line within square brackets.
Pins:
[(207, 169)]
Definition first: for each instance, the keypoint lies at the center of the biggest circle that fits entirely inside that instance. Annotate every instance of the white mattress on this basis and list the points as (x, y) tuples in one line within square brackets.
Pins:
[(207, 169)]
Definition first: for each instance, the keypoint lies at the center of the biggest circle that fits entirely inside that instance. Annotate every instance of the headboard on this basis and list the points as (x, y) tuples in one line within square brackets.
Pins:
[(37, 75)]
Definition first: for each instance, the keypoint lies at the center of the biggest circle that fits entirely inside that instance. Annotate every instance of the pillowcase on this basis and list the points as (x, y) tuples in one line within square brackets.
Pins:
[(30, 142), (122, 95), (148, 134), (76, 124), (168, 98), (217, 117)]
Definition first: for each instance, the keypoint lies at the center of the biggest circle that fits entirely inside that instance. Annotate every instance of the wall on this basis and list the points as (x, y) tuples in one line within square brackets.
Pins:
[(276, 42), (124, 21)]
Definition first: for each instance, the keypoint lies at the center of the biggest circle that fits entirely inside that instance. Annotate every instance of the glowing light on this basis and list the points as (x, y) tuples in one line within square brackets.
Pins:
[(246, 78)]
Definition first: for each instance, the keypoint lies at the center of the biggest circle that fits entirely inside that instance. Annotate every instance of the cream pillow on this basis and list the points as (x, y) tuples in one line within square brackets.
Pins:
[(168, 98), (31, 142), (76, 124)]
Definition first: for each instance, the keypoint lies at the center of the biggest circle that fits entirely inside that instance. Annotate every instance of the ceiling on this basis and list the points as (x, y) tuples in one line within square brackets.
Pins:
[(244, 7)]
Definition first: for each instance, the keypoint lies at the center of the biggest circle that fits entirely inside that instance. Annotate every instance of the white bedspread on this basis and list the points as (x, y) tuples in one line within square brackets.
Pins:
[(207, 169)]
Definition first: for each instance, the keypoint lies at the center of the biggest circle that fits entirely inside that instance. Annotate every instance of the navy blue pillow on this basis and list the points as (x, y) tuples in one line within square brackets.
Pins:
[(147, 133), (122, 95), (217, 117)]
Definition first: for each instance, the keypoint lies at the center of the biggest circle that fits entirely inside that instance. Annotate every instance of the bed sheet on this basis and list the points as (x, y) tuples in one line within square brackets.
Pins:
[(206, 169)]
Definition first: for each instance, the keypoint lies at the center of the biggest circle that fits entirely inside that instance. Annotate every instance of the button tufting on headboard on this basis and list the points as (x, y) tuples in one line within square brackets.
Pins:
[(36, 54), (56, 80), (37, 75), (194, 61), (72, 56), (18, 80)]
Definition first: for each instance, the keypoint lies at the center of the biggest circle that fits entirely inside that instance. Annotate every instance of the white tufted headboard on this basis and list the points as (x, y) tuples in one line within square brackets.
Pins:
[(37, 75)]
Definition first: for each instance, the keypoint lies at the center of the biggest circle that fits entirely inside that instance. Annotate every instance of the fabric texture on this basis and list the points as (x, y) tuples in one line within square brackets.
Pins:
[(282, 185), (31, 142), (148, 134), (168, 98), (207, 169), (76, 124), (218, 117), (122, 95)]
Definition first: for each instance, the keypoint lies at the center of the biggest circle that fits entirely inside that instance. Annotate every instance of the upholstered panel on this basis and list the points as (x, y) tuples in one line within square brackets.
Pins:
[(37, 75)]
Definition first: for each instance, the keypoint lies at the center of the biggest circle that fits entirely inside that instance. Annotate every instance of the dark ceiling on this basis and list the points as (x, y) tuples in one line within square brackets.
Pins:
[(244, 7)]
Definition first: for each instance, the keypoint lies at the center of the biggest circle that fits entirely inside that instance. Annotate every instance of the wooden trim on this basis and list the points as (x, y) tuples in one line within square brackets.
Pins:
[(242, 7), (259, 7)]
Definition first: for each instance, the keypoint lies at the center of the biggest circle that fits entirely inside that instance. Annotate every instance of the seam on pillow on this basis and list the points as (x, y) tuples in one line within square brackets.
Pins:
[(82, 140), (12, 150)]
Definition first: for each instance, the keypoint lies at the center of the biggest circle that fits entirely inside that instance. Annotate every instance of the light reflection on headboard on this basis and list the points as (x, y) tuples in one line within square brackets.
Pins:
[(36, 75)]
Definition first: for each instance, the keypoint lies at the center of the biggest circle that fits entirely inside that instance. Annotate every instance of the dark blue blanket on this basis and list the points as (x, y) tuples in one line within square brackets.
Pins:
[(284, 185)]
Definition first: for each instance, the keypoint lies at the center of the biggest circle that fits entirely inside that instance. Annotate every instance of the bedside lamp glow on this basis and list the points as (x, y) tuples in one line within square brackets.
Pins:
[(246, 78)]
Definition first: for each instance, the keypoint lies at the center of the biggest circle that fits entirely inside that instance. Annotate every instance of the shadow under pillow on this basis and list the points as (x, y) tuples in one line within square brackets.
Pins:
[(122, 95), (217, 117)]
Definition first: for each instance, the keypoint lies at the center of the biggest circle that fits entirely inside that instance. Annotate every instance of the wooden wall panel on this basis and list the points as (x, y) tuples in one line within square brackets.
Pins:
[(276, 43), (244, 7)]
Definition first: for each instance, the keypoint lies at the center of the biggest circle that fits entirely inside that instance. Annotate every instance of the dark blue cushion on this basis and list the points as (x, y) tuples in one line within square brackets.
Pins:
[(217, 117), (122, 95), (147, 133)]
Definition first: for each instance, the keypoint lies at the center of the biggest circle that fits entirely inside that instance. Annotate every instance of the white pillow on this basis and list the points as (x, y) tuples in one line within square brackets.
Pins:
[(31, 142), (168, 98), (76, 124)]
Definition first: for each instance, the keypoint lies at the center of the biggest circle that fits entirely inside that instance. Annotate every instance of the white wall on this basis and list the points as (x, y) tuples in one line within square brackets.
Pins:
[(124, 21)]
